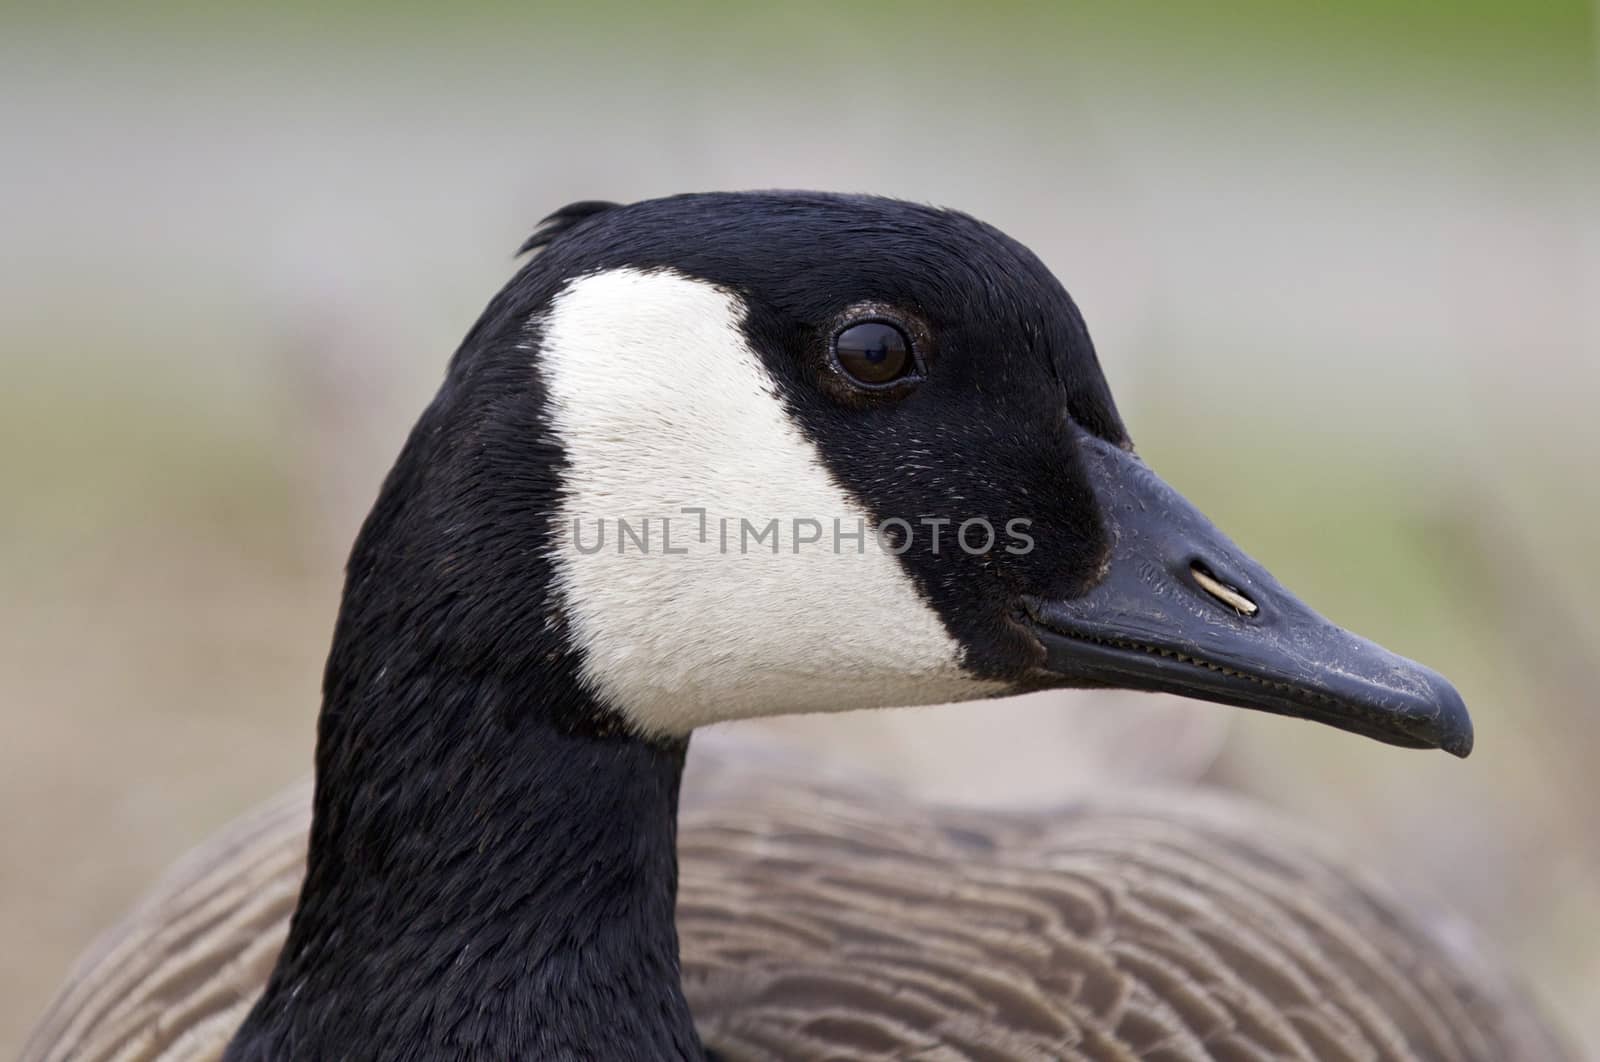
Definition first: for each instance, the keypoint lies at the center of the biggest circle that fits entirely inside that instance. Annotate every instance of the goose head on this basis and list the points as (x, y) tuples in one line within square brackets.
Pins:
[(720, 456)]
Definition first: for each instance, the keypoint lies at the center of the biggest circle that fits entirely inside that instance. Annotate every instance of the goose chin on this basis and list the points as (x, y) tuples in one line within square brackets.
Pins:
[(1181, 609)]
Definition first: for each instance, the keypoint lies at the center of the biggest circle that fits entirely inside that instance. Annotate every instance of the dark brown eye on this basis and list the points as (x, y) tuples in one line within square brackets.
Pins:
[(874, 353)]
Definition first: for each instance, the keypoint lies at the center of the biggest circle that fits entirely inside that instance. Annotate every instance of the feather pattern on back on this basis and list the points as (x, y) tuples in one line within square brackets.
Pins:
[(837, 920)]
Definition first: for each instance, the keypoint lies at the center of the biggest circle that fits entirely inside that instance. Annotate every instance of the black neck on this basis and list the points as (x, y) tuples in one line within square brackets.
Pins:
[(483, 882), (492, 870)]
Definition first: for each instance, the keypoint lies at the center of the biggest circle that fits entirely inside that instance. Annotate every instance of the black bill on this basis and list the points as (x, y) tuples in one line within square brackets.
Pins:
[(1183, 610)]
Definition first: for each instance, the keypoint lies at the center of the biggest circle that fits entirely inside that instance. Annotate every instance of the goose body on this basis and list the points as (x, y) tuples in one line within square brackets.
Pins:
[(881, 467), (838, 919)]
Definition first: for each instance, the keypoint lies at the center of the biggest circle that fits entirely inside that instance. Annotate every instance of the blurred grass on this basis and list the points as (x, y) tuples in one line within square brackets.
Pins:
[(1479, 53), (1447, 32), (89, 444)]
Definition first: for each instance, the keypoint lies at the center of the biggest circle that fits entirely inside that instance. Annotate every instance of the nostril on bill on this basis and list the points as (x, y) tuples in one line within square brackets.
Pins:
[(1222, 591)]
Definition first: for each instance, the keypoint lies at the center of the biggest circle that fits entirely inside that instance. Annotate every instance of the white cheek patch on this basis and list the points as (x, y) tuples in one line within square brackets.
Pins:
[(660, 404)]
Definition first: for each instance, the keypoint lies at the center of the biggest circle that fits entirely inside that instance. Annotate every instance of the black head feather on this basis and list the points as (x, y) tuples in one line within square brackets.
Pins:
[(564, 221)]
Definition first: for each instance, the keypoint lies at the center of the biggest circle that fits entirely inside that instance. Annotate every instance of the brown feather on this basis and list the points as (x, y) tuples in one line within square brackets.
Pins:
[(835, 920)]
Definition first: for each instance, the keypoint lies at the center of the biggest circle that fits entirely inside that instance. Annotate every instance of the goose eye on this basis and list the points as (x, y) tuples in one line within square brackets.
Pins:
[(874, 353)]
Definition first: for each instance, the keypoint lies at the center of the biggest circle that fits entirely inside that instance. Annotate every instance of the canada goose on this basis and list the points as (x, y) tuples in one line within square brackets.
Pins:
[(719, 456)]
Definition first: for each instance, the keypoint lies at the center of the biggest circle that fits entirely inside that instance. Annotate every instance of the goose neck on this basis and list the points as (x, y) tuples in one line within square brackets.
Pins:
[(483, 880)]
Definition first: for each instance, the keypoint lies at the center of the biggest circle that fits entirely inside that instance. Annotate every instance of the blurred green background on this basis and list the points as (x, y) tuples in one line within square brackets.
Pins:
[(1342, 262)]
